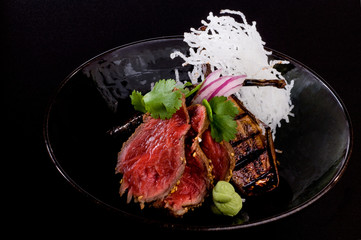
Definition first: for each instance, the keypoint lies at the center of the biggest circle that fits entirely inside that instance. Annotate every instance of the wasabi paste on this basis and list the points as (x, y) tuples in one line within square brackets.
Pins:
[(226, 200)]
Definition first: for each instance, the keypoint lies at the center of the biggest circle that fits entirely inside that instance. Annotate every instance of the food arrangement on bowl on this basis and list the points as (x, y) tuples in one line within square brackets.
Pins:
[(192, 138), (197, 129)]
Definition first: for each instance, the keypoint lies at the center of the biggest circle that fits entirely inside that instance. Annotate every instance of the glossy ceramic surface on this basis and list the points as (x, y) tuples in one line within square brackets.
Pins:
[(316, 144)]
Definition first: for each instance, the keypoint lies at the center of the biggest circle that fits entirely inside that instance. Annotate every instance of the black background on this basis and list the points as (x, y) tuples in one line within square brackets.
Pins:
[(43, 41)]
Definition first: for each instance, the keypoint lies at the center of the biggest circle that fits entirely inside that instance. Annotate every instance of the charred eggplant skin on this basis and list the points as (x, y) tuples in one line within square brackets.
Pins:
[(256, 167)]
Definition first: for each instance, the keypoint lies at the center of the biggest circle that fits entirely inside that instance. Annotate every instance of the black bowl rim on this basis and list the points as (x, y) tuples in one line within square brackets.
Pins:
[(273, 218)]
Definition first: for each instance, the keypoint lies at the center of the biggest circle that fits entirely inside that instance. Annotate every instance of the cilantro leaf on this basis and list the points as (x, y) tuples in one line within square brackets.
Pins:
[(223, 127), (162, 102), (137, 101), (221, 106), (221, 113)]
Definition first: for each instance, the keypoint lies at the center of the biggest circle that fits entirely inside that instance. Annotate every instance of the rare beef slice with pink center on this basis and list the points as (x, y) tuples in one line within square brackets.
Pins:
[(152, 160)]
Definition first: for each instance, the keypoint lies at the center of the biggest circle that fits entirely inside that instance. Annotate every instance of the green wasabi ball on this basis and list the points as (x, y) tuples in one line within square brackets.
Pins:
[(226, 200)]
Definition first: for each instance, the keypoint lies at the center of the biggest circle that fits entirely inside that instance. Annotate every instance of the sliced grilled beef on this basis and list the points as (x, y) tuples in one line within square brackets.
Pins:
[(221, 155), (256, 169), (152, 160), (195, 181)]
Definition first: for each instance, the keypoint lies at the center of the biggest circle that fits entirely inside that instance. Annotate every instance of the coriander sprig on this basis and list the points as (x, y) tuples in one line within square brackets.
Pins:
[(162, 102), (221, 113)]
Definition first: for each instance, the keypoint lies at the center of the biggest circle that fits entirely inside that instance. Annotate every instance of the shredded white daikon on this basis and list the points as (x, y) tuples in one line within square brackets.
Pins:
[(237, 48)]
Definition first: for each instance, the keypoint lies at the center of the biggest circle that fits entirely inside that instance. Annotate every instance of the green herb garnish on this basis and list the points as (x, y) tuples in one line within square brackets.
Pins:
[(221, 113), (166, 98), (162, 102)]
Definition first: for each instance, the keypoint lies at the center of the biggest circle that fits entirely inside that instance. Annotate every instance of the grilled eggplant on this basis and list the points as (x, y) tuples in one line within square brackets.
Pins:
[(256, 168)]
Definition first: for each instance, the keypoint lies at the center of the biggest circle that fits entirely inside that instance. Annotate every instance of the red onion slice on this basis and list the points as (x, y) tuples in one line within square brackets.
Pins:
[(214, 85), (227, 86), (206, 90), (230, 91), (213, 76)]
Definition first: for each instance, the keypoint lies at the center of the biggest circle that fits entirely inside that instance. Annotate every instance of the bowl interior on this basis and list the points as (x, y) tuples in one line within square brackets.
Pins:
[(94, 98)]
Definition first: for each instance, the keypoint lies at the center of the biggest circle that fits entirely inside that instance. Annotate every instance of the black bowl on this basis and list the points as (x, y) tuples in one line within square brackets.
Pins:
[(316, 143)]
